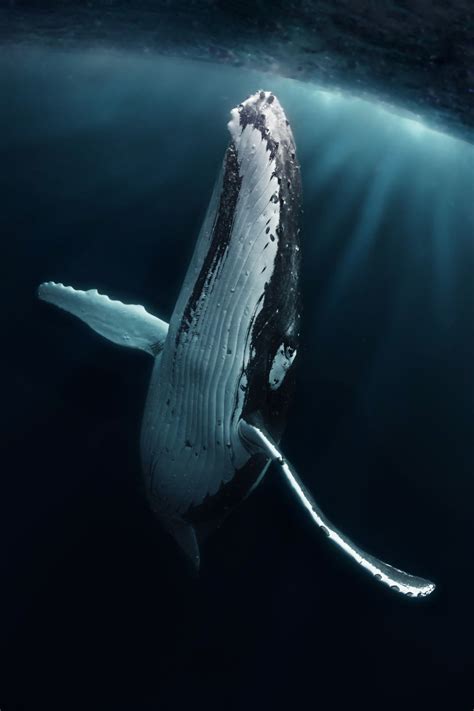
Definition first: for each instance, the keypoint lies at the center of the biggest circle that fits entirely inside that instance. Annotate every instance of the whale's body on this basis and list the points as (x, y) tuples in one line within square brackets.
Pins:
[(223, 372), (236, 316)]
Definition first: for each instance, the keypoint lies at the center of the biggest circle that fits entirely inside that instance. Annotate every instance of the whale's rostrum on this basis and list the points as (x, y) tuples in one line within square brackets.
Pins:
[(223, 369)]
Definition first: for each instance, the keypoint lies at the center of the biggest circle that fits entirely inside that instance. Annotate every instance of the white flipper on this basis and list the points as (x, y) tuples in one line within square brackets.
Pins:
[(124, 324), (255, 440)]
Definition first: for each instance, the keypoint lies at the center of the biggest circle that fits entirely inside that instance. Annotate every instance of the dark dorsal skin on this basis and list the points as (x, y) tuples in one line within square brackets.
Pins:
[(234, 332)]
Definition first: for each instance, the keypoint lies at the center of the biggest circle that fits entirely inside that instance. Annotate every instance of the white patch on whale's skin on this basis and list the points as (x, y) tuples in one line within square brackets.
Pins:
[(282, 362)]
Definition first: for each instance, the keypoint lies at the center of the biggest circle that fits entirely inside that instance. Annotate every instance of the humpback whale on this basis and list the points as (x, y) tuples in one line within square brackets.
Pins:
[(223, 372)]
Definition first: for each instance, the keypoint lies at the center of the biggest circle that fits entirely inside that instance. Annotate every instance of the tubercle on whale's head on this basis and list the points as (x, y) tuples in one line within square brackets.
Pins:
[(263, 111)]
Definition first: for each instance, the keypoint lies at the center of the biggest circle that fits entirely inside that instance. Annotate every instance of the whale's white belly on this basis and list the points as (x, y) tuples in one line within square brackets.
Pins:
[(190, 440)]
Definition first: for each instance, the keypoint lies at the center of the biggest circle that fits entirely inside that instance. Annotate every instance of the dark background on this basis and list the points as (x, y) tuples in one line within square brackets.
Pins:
[(107, 163)]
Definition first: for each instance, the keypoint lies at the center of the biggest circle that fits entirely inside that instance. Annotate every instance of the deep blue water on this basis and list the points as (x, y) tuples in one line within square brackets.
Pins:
[(108, 161)]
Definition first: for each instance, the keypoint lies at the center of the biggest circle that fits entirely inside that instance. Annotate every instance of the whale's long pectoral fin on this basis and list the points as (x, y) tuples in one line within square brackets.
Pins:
[(257, 440), (124, 324)]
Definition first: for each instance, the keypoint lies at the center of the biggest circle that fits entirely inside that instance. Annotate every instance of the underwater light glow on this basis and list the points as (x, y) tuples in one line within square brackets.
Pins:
[(366, 165), (413, 124)]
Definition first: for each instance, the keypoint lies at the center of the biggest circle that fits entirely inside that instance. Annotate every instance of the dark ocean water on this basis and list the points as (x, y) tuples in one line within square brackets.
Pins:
[(107, 164)]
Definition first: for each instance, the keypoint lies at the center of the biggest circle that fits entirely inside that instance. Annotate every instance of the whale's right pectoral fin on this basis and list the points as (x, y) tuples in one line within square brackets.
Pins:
[(124, 324), (256, 439)]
